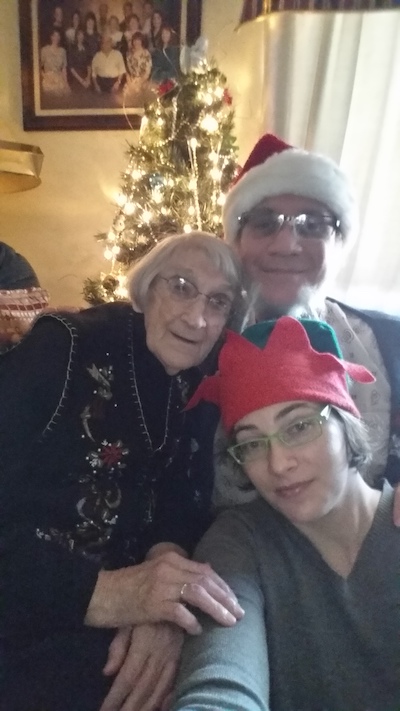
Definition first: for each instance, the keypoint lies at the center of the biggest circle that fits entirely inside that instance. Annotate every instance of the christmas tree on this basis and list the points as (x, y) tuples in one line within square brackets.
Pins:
[(177, 174)]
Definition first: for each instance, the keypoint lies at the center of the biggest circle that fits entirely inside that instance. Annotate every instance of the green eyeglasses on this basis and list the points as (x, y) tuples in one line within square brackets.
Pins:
[(299, 432)]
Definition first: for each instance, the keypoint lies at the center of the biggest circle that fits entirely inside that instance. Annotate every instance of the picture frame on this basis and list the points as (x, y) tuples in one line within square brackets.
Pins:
[(50, 101)]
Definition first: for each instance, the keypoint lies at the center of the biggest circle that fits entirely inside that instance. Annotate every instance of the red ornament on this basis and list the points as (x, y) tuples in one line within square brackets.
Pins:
[(166, 87), (227, 98)]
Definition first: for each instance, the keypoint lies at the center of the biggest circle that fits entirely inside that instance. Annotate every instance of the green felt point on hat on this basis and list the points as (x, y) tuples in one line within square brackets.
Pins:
[(322, 337)]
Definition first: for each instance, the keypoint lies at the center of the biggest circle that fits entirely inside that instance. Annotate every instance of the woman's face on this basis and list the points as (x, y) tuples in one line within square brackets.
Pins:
[(90, 25), (304, 482), (75, 20), (180, 332), (157, 21), (58, 15), (166, 35), (137, 43), (55, 38), (133, 25)]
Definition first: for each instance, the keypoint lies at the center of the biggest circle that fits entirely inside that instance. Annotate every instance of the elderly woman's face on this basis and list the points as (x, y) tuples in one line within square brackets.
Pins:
[(306, 481), (182, 327)]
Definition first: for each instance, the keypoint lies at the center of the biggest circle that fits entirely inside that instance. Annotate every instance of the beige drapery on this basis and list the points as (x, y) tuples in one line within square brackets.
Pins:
[(330, 82)]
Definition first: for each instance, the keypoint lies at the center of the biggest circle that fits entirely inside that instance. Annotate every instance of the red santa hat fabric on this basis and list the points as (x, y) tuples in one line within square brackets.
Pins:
[(277, 168), (287, 369)]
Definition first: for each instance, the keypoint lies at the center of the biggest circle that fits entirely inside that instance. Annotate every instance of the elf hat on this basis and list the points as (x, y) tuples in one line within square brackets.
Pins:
[(287, 368), (277, 168)]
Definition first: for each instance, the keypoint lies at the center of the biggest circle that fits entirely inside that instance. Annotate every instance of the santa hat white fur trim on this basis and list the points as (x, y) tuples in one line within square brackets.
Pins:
[(293, 172)]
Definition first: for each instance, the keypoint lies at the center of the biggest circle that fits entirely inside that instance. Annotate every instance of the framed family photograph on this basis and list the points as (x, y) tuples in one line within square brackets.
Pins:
[(94, 64)]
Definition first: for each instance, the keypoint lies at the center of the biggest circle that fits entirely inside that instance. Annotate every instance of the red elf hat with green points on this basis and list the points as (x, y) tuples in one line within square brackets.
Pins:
[(285, 368)]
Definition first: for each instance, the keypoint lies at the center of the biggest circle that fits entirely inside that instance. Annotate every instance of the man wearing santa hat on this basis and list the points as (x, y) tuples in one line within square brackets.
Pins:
[(290, 216)]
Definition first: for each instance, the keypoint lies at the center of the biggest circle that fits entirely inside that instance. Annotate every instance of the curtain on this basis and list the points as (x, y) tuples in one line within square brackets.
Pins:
[(330, 82)]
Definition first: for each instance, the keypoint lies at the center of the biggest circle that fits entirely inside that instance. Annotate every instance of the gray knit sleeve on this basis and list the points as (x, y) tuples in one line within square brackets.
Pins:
[(227, 668)]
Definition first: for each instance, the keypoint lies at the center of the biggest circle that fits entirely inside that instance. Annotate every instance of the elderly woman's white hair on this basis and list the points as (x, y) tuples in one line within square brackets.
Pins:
[(146, 269)]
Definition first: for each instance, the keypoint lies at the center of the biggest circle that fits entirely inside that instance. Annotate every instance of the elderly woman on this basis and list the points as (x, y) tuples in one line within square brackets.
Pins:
[(103, 486), (314, 560)]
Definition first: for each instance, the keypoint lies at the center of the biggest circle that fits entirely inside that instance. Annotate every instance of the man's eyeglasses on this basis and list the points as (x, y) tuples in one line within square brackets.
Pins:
[(299, 432), (307, 224), (181, 289)]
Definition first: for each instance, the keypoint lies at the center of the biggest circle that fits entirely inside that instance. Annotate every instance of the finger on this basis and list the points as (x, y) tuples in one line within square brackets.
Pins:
[(191, 590), (179, 614), (117, 651), (132, 673), (205, 570), (167, 701), (160, 689), (196, 595)]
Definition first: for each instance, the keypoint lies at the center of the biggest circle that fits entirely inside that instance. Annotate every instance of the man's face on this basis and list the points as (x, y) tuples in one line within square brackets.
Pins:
[(106, 44), (286, 267)]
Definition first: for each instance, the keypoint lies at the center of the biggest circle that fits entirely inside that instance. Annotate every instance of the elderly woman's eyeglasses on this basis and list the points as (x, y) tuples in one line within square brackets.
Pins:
[(307, 224), (181, 289), (299, 432)]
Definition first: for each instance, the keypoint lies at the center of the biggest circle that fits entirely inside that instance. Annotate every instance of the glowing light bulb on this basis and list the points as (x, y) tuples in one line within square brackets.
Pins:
[(209, 123), (193, 143), (136, 174), (157, 197), (147, 215), (160, 121), (215, 219), (216, 174), (192, 184), (191, 211), (219, 92), (208, 99), (221, 199), (115, 250), (129, 208), (108, 254), (187, 228), (111, 236), (213, 156)]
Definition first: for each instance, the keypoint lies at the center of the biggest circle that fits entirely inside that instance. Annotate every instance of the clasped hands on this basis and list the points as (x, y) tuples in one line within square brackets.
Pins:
[(148, 602)]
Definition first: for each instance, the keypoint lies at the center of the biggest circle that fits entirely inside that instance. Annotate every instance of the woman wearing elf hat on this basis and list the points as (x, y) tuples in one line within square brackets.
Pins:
[(290, 216), (315, 559)]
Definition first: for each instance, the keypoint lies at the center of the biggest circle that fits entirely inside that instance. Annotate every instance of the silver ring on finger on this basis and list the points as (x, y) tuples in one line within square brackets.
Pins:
[(182, 592)]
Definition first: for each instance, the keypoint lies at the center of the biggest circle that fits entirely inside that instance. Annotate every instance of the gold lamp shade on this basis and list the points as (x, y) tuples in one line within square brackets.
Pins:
[(20, 166)]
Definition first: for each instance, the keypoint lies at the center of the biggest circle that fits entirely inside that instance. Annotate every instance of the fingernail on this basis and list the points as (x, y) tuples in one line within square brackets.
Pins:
[(239, 610)]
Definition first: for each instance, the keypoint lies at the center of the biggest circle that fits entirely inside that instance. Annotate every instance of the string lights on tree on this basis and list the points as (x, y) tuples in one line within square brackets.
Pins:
[(176, 178)]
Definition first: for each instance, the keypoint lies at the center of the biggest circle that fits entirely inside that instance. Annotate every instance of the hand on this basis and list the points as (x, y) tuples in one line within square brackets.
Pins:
[(396, 506), (151, 592), (147, 673)]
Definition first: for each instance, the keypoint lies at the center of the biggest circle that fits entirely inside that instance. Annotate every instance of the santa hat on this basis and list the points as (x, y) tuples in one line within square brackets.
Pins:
[(277, 168), (286, 368)]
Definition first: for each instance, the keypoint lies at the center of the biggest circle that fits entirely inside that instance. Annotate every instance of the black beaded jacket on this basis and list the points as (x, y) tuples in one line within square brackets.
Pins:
[(98, 463)]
